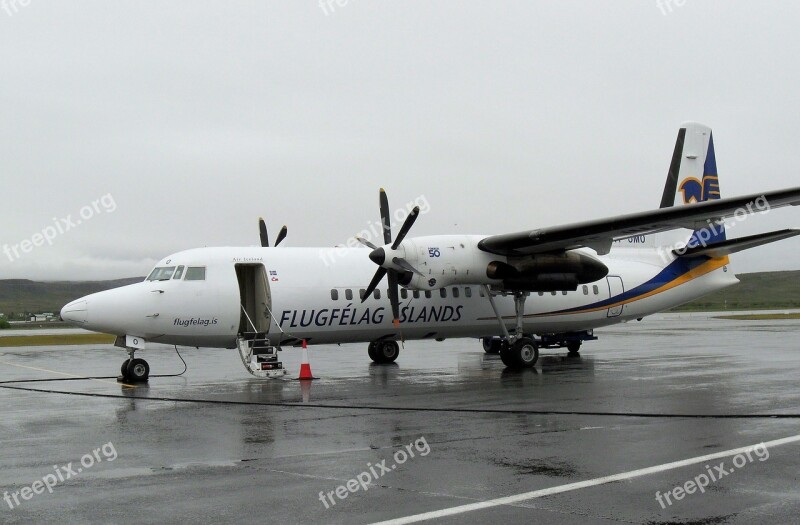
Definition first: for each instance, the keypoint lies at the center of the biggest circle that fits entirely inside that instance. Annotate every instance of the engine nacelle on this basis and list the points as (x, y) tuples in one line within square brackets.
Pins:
[(547, 272), (445, 260)]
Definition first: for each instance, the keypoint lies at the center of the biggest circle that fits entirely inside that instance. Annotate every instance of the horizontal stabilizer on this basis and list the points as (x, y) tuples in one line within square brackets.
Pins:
[(720, 249)]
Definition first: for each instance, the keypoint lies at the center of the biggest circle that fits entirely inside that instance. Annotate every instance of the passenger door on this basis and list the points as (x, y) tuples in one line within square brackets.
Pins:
[(615, 288)]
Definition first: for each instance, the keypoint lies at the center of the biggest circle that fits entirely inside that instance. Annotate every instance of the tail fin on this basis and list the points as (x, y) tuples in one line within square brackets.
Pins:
[(693, 177)]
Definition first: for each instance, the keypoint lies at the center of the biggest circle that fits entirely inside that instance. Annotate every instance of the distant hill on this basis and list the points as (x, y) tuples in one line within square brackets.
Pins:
[(21, 295), (765, 290)]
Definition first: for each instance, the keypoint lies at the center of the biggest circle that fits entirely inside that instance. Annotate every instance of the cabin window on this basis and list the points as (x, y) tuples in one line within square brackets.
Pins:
[(416, 294), (541, 294), (348, 294), (564, 292), (585, 290), (196, 273), (443, 293), (428, 294), (178, 273), (362, 293), (377, 294), (455, 292), (467, 292), (335, 294), (596, 290), (162, 274), (403, 293), (552, 293)]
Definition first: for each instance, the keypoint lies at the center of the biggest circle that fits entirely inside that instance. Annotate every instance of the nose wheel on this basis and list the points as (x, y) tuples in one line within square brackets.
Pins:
[(135, 370)]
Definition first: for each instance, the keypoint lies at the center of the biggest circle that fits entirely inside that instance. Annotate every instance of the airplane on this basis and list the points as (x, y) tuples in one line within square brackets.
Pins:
[(549, 287)]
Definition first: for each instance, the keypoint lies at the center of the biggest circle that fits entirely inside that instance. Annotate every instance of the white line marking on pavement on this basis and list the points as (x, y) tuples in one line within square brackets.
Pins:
[(581, 484)]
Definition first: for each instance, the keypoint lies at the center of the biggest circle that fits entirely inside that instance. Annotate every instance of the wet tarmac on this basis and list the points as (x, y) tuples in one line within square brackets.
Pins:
[(216, 445)]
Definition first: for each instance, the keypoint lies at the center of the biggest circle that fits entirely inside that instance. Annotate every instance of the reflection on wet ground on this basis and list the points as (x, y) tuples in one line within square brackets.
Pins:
[(217, 444)]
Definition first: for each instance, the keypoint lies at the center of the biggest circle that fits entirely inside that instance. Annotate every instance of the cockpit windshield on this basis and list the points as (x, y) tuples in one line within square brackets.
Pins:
[(163, 273)]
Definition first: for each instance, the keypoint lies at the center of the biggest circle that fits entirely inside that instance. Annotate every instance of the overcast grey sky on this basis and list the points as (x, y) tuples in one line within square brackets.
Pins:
[(196, 117)]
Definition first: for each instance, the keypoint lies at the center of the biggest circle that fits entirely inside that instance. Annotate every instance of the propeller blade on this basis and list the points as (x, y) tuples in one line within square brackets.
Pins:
[(406, 226), (366, 242), (262, 229), (405, 265), (393, 298), (376, 279), (385, 219), (281, 235)]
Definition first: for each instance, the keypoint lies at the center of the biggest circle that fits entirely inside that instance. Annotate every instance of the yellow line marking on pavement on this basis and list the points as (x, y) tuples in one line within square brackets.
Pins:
[(66, 374)]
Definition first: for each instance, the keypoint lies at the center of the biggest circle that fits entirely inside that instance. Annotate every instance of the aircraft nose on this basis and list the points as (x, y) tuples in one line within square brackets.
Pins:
[(76, 312)]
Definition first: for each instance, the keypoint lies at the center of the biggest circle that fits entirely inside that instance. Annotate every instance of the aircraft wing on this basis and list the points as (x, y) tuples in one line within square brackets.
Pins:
[(599, 234)]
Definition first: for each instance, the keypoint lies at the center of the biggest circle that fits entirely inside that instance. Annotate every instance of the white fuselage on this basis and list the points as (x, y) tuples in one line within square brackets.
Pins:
[(314, 294)]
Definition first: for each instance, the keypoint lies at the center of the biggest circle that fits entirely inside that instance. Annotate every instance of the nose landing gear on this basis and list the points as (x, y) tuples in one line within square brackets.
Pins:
[(134, 370)]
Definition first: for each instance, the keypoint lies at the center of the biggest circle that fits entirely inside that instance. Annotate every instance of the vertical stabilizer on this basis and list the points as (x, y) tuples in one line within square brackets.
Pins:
[(692, 178)]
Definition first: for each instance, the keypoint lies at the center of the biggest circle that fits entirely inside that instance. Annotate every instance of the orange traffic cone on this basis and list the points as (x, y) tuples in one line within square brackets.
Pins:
[(305, 367)]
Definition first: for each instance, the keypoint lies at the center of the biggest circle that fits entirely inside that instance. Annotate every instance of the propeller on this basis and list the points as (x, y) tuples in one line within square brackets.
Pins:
[(281, 235), (402, 263), (378, 256), (262, 229), (366, 242)]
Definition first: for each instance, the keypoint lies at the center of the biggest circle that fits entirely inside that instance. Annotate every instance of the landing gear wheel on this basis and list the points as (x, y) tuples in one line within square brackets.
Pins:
[(526, 351), (507, 356), (573, 348), (371, 350), (138, 371), (124, 369), (386, 351), (523, 353), (492, 345)]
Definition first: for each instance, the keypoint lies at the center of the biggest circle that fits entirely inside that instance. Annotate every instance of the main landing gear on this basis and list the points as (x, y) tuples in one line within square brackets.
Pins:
[(135, 370), (492, 345), (522, 353), (383, 351), (574, 348), (518, 350), (572, 341)]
